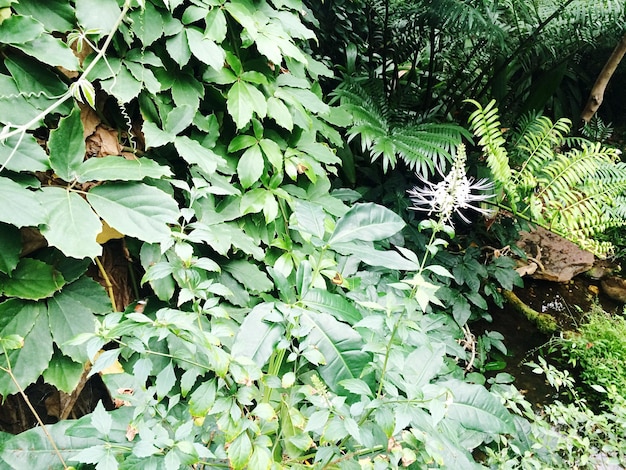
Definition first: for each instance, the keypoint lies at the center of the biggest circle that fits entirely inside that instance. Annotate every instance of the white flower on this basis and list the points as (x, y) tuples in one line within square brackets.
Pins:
[(453, 194)]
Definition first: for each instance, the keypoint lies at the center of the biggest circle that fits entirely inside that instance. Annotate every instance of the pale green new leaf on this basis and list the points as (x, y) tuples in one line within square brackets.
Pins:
[(71, 226), (256, 338), (119, 168), (475, 408), (310, 218), (67, 146), (250, 166), (249, 275), (278, 111), (135, 209), (367, 222), (340, 345), (32, 279)]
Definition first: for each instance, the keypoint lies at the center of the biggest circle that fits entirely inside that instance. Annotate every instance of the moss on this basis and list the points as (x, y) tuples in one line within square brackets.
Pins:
[(544, 322)]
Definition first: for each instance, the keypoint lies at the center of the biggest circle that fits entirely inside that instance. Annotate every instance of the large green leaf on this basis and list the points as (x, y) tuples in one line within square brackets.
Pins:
[(368, 254), (249, 275), (72, 225), (23, 153), (340, 345), (99, 15), (250, 166), (63, 373), (50, 50), (11, 244), (90, 294), (19, 206), (68, 318), (67, 146), (193, 152), (18, 29), (119, 168), (205, 49), (32, 279), (256, 338), (337, 305), (135, 209), (310, 218), (245, 99), (367, 222), (28, 320), (55, 15), (475, 408)]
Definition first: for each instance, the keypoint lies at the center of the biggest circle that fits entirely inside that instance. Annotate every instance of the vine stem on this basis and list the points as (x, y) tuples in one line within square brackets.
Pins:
[(21, 391), (21, 130), (107, 281)]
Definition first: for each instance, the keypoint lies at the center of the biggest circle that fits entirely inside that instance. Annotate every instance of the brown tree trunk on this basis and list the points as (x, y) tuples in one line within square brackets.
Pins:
[(597, 92)]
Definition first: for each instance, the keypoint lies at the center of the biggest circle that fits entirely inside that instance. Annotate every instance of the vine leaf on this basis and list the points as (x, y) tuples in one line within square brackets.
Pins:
[(119, 168), (23, 153), (257, 337), (72, 226), (63, 373), (68, 318), (245, 99), (32, 279), (19, 206), (10, 241), (135, 209), (67, 146)]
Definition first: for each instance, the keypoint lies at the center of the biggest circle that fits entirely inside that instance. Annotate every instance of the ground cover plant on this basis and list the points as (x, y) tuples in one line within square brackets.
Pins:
[(266, 317)]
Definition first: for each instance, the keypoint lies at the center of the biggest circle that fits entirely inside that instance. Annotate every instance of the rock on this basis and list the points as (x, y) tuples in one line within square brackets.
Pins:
[(614, 287), (559, 260)]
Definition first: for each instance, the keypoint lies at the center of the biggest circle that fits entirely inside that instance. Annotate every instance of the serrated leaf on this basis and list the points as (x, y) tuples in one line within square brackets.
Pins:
[(19, 29), (50, 50), (165, 380), (202, 398), (245, 99), (63, 373), (310, 218), (278, 111), (249, 275), (119, 168), (99, 15), (367, 222), (239, 451), (250, 166), (67, 146), (72, 226), (68, 318), (32, 279), (23, 153), (29, 320), (178, 119), (55, 15), (195, 153), (216, 27), (11, 243), (205, 49), (19, 206), (135, 209), (101, 420)]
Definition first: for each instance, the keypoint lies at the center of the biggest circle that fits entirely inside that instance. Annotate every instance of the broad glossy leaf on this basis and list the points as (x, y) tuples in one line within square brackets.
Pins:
[(216, 27), (72, 226), (67, 146), (29, 320), (245, 99), (278, 111), (32, 279), (338, 306), (68, 318), (177, 47), (340, 345), (11, 243), (256, 338), (119, 168), (23, 153), (369, 255), (63, 373), (310, 218), (367, 222), (475, 408), (19, 206), (135, 209), (18, 29)]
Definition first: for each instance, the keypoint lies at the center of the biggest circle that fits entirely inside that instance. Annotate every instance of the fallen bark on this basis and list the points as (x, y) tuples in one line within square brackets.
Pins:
[(597, 92)]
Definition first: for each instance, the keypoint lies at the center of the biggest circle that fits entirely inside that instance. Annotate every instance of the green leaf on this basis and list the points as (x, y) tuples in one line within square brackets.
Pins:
[(250, 166), (239, 451), (88, 293), (327, 302), (245, 99), (119, 168), (216, 27), (256, 337), (178, 119), (340, 345), (202, 399), (50, 50), (32, 279), (72, 226), (23, 153), (475, 408), (178, 48), (55, 15), (135, 209), (368, 254), (165, 380), (310, 218), (67, 146), (249, 275), (99, 15), (205, 49), (11, 243), (18, 29), (29, 320), (69, 318), (367, 222), (19, 206), (195, 153), (63, 373), (278, 111)]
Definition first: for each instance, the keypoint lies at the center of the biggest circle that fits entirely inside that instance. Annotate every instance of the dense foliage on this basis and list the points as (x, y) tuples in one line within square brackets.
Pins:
[(278, 319)]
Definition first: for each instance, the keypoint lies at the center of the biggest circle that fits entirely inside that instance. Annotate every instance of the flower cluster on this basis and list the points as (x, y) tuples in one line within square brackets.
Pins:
[(453, 194)]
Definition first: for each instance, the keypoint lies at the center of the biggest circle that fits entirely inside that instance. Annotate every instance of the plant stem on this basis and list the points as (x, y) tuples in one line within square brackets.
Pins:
[(107, 282)]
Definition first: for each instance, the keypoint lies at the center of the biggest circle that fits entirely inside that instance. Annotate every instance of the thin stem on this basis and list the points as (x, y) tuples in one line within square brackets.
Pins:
[(107, 282)]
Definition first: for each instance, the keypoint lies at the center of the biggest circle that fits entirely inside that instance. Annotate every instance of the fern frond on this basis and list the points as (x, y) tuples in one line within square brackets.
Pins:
[(485, 124), (540, 140)]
